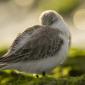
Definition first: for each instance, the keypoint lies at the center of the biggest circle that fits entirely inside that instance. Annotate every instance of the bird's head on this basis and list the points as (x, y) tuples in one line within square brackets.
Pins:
[(49, 17), (54, 20)]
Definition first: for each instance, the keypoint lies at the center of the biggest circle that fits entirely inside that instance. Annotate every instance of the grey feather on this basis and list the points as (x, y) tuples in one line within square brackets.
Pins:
[(43, 42), (27, 33)]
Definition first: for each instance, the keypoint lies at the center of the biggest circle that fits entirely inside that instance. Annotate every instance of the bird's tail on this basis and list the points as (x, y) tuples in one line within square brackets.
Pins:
[(2, 65)]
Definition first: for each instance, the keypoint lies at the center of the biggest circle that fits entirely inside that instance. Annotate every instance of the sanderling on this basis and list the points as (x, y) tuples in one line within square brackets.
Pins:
[(39, 48)]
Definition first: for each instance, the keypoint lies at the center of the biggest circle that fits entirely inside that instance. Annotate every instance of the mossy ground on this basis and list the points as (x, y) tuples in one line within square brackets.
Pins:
[(72, 72), (26, 79)]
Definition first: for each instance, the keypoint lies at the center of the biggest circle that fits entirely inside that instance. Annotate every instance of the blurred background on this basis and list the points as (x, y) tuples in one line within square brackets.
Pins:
[(17, 15)]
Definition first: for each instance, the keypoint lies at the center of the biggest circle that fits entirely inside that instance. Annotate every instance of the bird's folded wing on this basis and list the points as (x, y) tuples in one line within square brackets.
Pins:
[(19, 41), (44, 43)]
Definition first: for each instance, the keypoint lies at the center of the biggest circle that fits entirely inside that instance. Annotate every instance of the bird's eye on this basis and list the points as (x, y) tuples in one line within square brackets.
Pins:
[(51, 20)]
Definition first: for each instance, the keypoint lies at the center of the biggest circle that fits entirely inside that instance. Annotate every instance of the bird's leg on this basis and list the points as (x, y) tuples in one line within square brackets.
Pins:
[(36, 75), (43, 74)]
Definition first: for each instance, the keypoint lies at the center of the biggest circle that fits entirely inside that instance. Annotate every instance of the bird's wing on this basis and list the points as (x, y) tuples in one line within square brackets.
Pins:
[(19, 41), (44, 43)]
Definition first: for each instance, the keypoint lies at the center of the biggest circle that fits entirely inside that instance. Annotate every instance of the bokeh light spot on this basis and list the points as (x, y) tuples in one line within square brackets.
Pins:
[(79, 19), (24, 3)]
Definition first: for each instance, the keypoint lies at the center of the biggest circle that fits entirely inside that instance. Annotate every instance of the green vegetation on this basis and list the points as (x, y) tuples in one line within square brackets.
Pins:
[(12, 78), (71, 73)]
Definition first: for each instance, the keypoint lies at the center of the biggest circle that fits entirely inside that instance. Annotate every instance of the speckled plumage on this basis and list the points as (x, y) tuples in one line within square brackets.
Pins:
[(39, 48)]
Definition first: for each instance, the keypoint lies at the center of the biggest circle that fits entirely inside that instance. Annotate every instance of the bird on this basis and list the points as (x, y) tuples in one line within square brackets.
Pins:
[(40, 48)]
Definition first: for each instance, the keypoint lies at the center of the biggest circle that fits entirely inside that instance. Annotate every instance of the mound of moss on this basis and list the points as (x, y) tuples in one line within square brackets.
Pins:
[(13, 78)]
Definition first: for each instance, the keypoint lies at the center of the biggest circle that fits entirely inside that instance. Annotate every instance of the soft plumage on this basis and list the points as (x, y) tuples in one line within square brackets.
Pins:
[(39, 48)]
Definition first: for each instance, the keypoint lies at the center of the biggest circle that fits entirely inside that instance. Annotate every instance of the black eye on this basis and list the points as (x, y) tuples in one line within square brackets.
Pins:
[(51, 20)]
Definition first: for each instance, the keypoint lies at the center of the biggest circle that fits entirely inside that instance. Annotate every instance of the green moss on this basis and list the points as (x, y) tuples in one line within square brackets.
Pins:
[(14, 78)]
